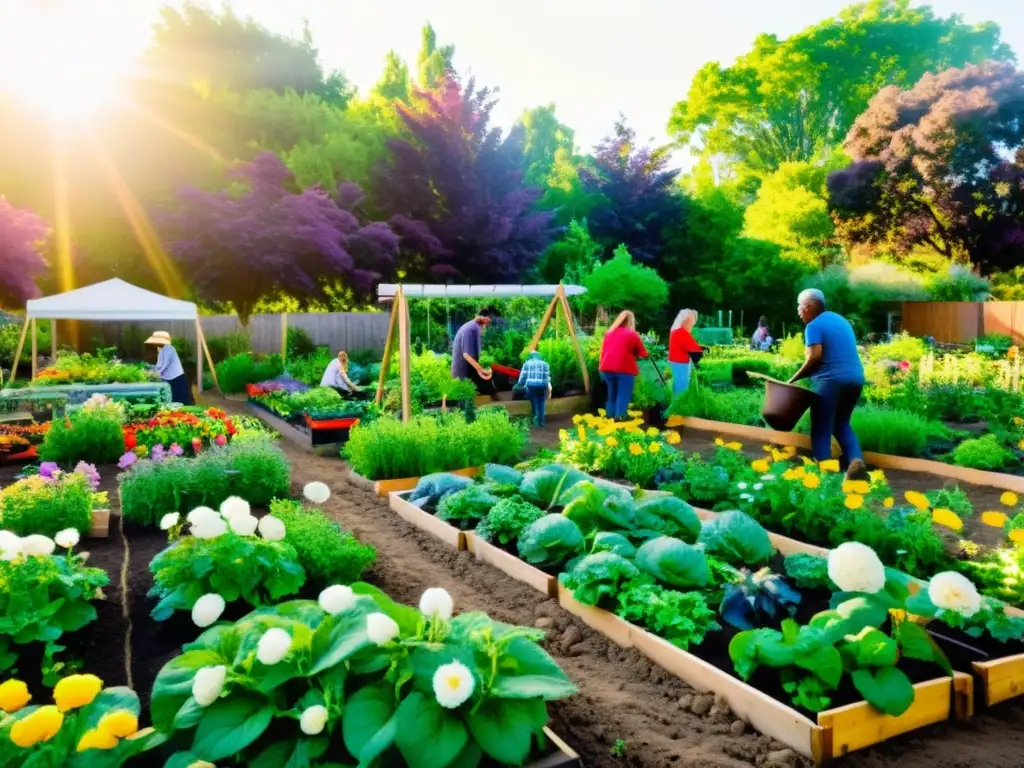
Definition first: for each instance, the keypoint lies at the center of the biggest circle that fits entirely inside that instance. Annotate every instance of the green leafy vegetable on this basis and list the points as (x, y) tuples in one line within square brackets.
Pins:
[(736, 538), (465, 508), (507, 520), (682, 618), (670, 516), (551, 540), (674, 562), (598, 576)]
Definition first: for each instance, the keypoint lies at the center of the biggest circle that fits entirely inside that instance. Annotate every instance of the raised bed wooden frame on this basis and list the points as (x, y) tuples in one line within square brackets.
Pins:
[(511, 565), (384, 488), (425, 521)]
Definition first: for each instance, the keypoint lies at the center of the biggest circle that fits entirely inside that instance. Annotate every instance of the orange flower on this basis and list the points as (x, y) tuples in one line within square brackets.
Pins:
[(854, 501), (995, 519)]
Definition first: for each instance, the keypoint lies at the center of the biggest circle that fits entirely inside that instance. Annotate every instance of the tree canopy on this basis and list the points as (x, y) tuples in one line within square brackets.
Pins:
[(21, 235)]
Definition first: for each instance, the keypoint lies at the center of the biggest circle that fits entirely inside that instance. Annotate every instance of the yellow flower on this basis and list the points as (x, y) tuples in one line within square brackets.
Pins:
[(876, 476), (611, 442), (96, 739), (789, 450), (675, 421), (635, 449), (602, 412), (13, 696), (652, 431), (634, 414), (577, 419), (563, 435), (794, 473), (673, 438), (830, 465), (812, 481), (760, 465), (889, 502), (917, 500), (76, 691), (719, 442), (854, 501), (734, 446), (768, 448), (120, 723), (856, 486), (582, 432), (947, 518), (807, 462), (41, 725), (780, 455), (995, 519), (1017, 535), (1009, 499), (654, 447)]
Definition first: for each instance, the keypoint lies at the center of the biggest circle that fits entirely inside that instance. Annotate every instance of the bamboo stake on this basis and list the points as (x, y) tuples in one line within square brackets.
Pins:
[(53, 339), (543, 323), (199, 358), (385, 365), (567, 311), (404, 353)]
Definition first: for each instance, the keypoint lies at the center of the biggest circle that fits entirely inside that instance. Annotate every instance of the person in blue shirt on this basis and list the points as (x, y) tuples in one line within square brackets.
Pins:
[(535, 378), (168, 366), (837, 376)]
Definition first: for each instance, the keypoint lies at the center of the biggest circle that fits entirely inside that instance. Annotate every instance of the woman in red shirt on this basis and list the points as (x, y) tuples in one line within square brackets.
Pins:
[(681, 345), (619, 352)]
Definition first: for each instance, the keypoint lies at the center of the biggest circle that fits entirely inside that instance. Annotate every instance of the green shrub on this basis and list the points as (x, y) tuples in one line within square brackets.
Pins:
[(388, 449), (10, 335), (982, 453), (84, 435), (254, 469), (887, 430), (237, 371), (793, 348), (228, 345), (328, 553), (38, 505), (300, 343), (737, 406), (903, 346), (310, 369)]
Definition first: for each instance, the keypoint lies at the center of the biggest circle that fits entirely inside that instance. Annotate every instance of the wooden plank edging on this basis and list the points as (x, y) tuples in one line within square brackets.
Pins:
[(426, 522), (511, 565), (384, 488), (1002, 679)]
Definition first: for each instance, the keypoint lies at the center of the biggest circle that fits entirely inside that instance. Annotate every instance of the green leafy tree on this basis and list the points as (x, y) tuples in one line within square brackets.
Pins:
[(620, 284), (543, 137), (786, 100), (573, 257), (434, 62), (394, 83), (564, 192)]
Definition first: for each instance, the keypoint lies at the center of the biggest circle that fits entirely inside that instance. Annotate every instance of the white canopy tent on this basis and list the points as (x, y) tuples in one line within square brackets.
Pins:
[(386, 291), (110, 301)]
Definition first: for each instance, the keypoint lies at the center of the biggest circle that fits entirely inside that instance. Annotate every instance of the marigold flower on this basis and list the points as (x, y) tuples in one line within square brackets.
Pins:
[(829, 465), (652, 432), (76, 691), (734, 446), (673, 438), (854, 501), (96, 739), (1016, 535), (947, 518), (41, 725), (13, 696), (860, 487), (635, 449), (120, 723), (654, 447), (611, 442), (889, 502), (719, 442), (812, 481), (995, 519), (1008, 499), (760, 465), (917, 499)]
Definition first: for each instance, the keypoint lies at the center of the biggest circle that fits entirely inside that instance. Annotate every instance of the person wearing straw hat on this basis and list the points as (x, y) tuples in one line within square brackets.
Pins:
[(168, 365)]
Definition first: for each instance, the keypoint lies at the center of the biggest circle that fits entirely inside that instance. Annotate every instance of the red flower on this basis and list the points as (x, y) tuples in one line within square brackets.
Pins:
[(130, 441)]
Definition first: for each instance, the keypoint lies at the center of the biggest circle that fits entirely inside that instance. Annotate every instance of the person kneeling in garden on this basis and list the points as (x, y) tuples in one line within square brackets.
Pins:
[(837, 376), (535, 378)]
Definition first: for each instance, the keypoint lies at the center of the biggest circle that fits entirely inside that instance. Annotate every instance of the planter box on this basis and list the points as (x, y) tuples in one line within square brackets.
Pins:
[(555, 406), (100, 527), (886, 461), (608, 624), (1000, 679), (426, 522), (385, 487), (511, 565)]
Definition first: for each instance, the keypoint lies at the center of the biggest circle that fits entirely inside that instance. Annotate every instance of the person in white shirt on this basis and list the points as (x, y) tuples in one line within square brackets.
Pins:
[(168, 366), (336, 375)]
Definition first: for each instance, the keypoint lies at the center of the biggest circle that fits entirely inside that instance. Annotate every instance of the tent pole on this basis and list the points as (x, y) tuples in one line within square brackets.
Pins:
[(53, 339), (209, 359), (21, 348), (199, 360), (35, 350), (404, 361)]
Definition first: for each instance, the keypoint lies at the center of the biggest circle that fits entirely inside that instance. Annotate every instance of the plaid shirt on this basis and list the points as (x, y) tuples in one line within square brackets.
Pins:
[(535, 373)]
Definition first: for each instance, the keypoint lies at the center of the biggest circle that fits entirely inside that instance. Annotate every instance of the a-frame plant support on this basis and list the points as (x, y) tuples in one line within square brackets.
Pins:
[(560, 301), (399, 323)]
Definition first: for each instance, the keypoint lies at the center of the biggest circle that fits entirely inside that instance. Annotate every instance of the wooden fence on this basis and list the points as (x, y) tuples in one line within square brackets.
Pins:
[(961, 322)]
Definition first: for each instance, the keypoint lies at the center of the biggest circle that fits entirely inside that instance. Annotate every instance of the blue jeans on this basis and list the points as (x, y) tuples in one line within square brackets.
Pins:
[(681, 376), (620, 392), (538, 396), (830, 415)]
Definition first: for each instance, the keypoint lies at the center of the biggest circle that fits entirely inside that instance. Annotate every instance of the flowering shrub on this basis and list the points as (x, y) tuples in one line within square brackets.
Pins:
[(223, 557), (52, 501), (43, 594), (186, 428), (87, 725), (89, 369), (430, 685), (85, 434), (618, 449)]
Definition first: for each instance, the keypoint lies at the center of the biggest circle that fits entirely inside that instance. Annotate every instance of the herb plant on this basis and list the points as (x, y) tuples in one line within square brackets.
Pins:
[(96, 436), (327, 553), (681, 618), (46, 504), (808, 571)]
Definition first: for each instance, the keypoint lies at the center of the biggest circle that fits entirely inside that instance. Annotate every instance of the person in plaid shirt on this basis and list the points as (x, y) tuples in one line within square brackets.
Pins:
[(535, 378)]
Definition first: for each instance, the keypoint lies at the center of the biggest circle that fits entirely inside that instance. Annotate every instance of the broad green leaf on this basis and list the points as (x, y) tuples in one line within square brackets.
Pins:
[(368, 727), (229, 726), (826, 663), (72, 616), (337, 640), (173, 685), (283, 754), (503, 729), (428, 735), (527, 671), (408, 619), (916, 643), (189, 715), (887, 689), (876, 649)]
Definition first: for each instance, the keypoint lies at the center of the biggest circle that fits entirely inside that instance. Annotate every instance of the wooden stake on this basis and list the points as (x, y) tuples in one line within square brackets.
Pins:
[(53, 339), (209, 359), (35, 350), (543, 323), (404, 351), (199, 359), (385, 363), (567, 311), (21, 348), (284, 336)]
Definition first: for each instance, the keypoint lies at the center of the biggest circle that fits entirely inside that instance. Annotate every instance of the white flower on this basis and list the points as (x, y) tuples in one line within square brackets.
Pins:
[(381, 628), (746, 497), (10, 545), (436, 603), (233, 507), (38, 545), (741, 486), (273, 646), (207, 609), (758, 486), (954, 592), (67, 538), (244, 525), (337, 599), (854, 567), (317, 492), (208, 683), (169, 520), (453, 684), (199, 514), (313, 719), (272, 528), (210, 528), (768, 478)]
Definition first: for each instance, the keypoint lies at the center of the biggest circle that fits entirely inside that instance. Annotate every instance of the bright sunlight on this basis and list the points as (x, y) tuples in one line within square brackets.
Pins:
[(64, 59)]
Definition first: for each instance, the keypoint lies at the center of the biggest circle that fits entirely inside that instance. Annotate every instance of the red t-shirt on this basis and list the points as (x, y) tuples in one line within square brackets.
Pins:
[(680, 344), (620, 350)]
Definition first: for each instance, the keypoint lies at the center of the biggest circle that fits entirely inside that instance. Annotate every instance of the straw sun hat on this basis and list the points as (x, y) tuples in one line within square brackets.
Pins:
[(160, 338)]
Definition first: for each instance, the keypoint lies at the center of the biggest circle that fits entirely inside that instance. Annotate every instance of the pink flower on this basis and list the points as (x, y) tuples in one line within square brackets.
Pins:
[(220, 440), (127, 460), (176, 450), (905, 365)]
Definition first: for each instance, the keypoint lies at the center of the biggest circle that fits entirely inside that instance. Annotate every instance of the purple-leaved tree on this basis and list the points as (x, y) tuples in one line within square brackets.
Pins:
[(456, 192), (22, 234), (272, 238), (940, 165)]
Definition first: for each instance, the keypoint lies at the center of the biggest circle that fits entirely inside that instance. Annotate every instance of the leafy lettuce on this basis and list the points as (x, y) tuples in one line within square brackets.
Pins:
[(736, 538)]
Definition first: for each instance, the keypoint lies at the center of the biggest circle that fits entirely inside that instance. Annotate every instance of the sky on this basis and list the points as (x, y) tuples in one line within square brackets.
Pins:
[(592, 58)]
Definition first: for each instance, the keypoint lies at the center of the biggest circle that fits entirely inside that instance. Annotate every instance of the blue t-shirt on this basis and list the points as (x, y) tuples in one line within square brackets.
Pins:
[(839, 359)]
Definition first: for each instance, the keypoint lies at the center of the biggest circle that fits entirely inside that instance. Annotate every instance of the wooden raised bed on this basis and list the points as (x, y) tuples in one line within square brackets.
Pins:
[(100, 527), (884, 460), (555, 406), (511, 565), (608, 624), (398, 485), (1000, 679), (426, 522)]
